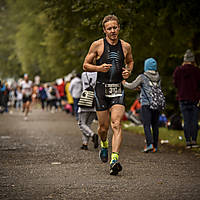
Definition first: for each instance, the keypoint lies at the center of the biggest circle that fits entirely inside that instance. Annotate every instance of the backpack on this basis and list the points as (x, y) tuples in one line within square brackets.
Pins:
[(53, 91), (87, 99), (157, 98)]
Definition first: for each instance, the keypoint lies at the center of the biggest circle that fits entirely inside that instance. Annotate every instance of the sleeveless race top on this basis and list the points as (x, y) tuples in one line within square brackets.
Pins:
[(112, 54)]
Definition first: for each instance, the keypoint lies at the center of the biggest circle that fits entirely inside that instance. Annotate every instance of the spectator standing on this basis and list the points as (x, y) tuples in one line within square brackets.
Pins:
[(69, 97), (12, 97), (1, 97), (5, 96), (43, 96), (0, 92), (87, 114), (75, 89), (19, 97), (150, 117), (187, 81), (47, 90), (52, 98), (35, 92), (61, 90)]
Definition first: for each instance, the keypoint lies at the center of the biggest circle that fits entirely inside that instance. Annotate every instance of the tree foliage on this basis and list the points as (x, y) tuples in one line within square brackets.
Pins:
[(51, 37)]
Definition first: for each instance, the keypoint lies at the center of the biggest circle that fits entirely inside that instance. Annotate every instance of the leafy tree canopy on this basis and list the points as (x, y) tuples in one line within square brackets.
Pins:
[(50, 38)]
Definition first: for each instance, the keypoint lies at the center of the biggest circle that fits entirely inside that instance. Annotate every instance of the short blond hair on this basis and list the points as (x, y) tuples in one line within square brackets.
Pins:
[(109, 18)]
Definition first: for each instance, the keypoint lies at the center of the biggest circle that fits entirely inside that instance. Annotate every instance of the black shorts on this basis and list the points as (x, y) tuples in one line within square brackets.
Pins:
[(27, 98), (105, 103)]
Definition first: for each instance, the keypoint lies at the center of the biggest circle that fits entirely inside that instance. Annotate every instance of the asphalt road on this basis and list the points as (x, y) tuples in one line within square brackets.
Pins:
[(40, 159)]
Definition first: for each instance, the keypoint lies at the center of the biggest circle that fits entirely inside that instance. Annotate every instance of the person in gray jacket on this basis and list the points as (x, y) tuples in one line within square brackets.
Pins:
[(150, 117), (87, 114)]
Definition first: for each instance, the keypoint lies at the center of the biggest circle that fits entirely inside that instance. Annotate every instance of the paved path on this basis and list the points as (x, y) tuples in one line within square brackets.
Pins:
[(40, 159)]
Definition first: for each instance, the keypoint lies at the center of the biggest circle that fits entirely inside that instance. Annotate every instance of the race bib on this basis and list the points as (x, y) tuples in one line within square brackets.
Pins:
[(113, 90)]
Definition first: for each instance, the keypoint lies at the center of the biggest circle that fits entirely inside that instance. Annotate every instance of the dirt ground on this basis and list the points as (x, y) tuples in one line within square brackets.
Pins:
[(40, 159)]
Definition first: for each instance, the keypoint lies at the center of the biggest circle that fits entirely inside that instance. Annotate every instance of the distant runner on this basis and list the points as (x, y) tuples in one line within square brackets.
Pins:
[(26, 86)]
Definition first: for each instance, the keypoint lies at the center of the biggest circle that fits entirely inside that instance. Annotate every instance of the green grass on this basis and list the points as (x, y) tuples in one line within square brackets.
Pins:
[(174, 137)]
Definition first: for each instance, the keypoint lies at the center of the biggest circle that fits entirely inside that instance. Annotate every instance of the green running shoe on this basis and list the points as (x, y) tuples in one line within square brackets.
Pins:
[(115, 167)]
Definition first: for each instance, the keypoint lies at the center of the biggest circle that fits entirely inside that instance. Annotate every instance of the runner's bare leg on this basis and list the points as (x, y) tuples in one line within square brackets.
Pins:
[(103, 126), (27, 108), (117, 112)]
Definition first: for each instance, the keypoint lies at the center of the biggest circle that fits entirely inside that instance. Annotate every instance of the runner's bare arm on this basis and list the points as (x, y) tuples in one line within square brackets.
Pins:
[(88, 62), (129, 58), (129, 62)]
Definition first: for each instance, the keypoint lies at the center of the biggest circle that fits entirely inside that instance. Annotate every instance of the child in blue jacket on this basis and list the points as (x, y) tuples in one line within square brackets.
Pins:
[(150, 117)]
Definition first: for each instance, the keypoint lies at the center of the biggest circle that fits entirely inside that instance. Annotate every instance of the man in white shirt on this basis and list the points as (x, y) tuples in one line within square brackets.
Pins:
[(27, 93)]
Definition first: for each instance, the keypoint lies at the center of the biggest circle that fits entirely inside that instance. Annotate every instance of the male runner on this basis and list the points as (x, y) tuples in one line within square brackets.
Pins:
[(27, 93), (111, 55)]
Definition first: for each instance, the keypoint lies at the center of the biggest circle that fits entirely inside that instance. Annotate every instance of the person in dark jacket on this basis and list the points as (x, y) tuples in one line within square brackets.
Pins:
[(187, 81), (43, 96), (4, 97), (1, 97)]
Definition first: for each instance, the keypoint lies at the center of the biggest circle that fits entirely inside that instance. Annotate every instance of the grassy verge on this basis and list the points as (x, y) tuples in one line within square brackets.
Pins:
[(174, 137)]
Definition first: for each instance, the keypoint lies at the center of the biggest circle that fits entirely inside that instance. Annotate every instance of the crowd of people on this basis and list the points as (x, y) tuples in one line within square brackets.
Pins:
[(4, 97), (24, 94), (107, 65)]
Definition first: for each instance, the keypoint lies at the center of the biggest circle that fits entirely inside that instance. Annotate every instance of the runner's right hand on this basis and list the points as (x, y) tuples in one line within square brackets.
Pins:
[(104, 67)]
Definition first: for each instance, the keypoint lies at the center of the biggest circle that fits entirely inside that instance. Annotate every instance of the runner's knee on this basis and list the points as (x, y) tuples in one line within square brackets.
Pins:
[(103, 129), (116, 124)]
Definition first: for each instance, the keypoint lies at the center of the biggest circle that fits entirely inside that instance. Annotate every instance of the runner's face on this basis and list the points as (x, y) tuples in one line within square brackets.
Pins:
[(111, 29), (26, 78)]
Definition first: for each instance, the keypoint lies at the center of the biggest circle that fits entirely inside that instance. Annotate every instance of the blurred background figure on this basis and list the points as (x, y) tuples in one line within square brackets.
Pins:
[(87, 114), (4, 97), (134, 114), (163, 120), (75, 89), (43, 96), (187, 80), (35, 94), (1, 98), (19, 98), (69, 107), (52, 94), (26, 86), (61, 91)]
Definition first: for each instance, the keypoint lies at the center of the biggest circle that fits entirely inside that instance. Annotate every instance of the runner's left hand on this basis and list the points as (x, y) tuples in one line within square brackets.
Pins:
[(126, 73)]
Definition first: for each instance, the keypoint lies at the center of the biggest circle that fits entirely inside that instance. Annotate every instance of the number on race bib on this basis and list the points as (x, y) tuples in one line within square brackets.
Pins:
[(113, 90)]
